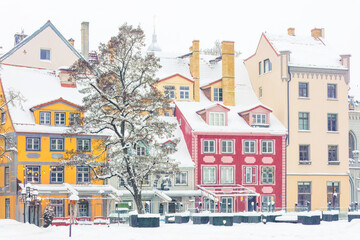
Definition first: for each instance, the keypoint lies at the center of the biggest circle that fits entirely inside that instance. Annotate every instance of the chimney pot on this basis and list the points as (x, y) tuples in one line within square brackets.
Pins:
[(291, 31), (85, 39), (318, 32)]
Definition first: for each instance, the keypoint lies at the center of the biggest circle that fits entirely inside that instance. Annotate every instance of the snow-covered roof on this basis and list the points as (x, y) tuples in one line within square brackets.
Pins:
[(36, 86), (171, 64), (245, 99), (306, 51)]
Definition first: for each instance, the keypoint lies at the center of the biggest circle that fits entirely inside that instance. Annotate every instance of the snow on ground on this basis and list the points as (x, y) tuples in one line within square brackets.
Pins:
[(10, 229)]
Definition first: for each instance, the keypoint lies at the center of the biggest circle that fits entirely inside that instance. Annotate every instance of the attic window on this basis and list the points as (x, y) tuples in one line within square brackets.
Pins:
[(258, 119), (217, 119), (218, 95), (45, 54)]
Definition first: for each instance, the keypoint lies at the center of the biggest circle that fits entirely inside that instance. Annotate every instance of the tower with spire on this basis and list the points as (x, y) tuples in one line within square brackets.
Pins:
[(154, 46)]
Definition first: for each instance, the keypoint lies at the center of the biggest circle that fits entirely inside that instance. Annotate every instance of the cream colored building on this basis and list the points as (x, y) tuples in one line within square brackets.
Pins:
[(354, 147), (306, 84)]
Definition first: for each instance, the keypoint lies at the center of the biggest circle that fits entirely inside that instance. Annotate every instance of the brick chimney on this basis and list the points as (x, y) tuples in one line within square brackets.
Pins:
[(318, 32), (195, 68), (291, 31), (228, 72), (65, 76), (85, 39)]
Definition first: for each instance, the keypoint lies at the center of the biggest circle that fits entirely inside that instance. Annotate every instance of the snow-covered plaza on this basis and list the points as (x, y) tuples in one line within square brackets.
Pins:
[(13, 230)]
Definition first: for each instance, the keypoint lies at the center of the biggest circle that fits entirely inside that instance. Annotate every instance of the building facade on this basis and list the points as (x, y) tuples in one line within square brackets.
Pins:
[(306, 84), (354, 146)]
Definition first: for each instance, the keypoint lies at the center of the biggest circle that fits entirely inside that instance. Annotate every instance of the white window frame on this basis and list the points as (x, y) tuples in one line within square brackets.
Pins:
[(181, 178), (184, 92), (218, 94), (82, 174), (74, 118), (206, 144), (249, 174), (258, 119), (140, 150), (269, 145), (80, 144), (251, 144), (208, 178), (267, 65), (227, 174), (229, 144), (31, 142), (45, 118), (265, 179), (57, 144), (60, 119), (217, 119), (169, 91)]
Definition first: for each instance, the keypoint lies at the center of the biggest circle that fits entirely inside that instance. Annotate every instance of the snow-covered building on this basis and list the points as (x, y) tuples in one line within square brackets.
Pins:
[(235, 142), (39, 102), (305, 82), (354, 148)]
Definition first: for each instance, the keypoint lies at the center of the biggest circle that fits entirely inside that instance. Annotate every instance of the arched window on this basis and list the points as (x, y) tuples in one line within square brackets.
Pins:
[(351, 144)]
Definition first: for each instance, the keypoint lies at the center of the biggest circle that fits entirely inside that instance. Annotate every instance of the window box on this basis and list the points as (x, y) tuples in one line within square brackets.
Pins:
[(181, 218), (200, 219), (330, 216)]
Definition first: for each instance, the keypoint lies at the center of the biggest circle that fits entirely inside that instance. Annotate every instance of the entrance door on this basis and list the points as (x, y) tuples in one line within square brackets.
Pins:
[(251, 203), (226, 205)]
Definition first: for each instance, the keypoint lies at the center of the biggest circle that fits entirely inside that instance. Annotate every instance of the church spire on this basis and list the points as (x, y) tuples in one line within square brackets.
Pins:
[(154, 46)]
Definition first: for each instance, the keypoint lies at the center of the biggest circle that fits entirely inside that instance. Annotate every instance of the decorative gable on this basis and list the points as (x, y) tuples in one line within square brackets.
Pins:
[(215, 115), (258, 116)]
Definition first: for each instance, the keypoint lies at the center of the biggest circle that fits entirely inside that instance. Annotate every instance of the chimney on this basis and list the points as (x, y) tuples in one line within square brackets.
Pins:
[(345, 61), (85, 39), (195, 68), (228, 72), (71, 41), (291, 31), (18, 37), (65, 76), (318, 32)]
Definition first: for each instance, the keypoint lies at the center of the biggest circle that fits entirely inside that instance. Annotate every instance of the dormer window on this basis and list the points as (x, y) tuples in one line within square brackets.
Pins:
[(218, 95), (258, 119), (59, 119), (217, 118), (45, 118)]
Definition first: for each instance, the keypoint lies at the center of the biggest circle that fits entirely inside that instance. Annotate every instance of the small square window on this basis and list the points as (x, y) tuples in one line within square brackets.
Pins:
[(249, 146), (33, 174), (74, 119), (44, 54), (32, 144), (45, 118), (140, 150), (83, 145), (258, 119), (181, 178), (208, 146), (170, 91), (56, 144), (184, 92), (57, 174), (83, 175), (217, 119), (60, 119)]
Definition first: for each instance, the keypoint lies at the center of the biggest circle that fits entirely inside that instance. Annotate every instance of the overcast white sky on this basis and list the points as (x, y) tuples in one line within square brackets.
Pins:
[(180, 22)]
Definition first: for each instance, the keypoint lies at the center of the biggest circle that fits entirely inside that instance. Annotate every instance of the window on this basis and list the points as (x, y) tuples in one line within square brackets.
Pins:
[(170, 92), (74, 119), (227, 146), (45, 118), (217, 119), (333, 194), (260, 68), (57, 174), (304, 153), (56, 144), (304, 121), (258, 119), (60, 119), (227, 175), (167, 114), (184, 92), (83, 145), (304, 194), (208, 146), (266, 202), (32, 144), (209, 205), (332, 153), (209, 175), (250, 175), (169, 148), (7, 178), (226, 205), (218, 94), (140, 150), (32, 174), (58, 206), (7, 208), (249, 147), (267, 147), (44, 54), (267, 66), (260, 92), (331, 91), (3, 114), (332, 122), (83, 208), (267, 175), (83, 175), (181, 178), (303, 90)]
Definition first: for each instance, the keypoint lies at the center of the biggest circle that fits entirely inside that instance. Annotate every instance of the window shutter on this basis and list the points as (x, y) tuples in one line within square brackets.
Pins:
[(253, 174)]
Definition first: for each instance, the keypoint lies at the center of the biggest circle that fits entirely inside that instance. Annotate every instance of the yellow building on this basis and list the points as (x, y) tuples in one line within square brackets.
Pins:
[(306, 84), (41, 105)]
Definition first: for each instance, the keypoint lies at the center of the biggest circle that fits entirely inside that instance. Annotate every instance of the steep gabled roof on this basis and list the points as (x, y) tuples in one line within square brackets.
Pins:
[(29, 38)]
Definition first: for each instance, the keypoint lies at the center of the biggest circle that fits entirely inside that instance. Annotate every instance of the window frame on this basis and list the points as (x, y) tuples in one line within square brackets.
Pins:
[(302, 152), (182, 177), (82, 140), (6, 178), (43, 118), (302, 193), (332, 91), (258, 119), (303, 92), (220, 116), (227, 146), (304, 121), (253, 175), (265, 179), (267, 66), (32, 175), (218, 94), (32, 148), (184, 92), (203, 174), (3, 118), (57, 170), (169, 91), (142, 150), (333, 152), (260, 68), (232, 173), (58, 204), (267, 146), (58, 122), (332, 123), (56, 149), (207, 141), (47, 53), (249, 147), (74, 119), (82, 171)]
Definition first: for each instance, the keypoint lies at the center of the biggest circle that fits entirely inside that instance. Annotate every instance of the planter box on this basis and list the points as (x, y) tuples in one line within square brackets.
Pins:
[(237, 219), (330, 216), (353, 215), (182, 219), (270, 217), (170, 219), (144, 220), (221, 219), (200, 218), (311, 220)]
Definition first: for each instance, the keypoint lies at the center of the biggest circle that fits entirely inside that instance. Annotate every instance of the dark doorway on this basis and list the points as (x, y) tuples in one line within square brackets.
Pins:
[(251, 203)]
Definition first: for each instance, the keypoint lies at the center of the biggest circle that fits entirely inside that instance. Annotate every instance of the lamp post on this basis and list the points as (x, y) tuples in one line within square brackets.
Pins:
[(73, 210)]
